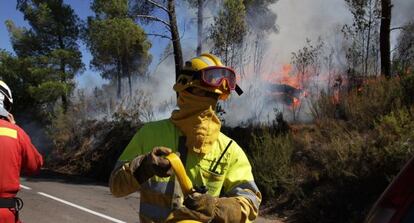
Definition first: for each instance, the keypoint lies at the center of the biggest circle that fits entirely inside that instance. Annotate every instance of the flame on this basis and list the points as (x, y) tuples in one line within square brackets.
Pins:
[(287, 76), (296, 103), (336, 98)]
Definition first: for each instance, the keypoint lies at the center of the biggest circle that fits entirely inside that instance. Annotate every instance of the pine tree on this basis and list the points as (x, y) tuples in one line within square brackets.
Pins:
[(49, 47), (119, 46)]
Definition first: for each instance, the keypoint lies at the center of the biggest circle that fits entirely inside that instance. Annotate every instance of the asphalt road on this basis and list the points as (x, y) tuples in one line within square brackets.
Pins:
[(62, 199), (55, 198)]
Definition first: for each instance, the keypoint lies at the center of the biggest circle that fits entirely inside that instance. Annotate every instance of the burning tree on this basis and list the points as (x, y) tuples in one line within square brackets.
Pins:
[(307, 62)]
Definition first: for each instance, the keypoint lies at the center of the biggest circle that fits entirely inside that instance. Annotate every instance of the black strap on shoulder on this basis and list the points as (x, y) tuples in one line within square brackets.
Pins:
[(182, 149), (214, 170)]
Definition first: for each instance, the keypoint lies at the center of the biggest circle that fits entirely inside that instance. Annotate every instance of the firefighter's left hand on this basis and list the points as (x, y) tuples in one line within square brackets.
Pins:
[(183, 214), (203, 203), (223, 209)]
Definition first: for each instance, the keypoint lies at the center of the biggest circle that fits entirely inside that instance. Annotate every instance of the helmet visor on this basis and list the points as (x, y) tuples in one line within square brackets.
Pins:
[(214, 76)]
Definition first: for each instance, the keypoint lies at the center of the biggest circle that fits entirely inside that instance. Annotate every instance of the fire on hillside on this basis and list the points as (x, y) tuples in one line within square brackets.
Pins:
[(287, 86)]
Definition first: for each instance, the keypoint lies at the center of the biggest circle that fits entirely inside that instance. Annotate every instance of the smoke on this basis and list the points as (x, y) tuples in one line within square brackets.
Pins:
[(36, 131), (301, 19), (297, 21), (402, 12)]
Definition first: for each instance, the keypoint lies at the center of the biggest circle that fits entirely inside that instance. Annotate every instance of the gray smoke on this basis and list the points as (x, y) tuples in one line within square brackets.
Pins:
[(36, 131), (297, 20)]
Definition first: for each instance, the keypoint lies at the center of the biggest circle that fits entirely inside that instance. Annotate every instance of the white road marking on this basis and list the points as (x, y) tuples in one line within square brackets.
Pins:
[(25, 187), (81, 208)]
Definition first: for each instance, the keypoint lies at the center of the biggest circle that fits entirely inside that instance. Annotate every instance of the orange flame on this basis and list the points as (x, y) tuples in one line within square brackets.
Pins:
[(296, 103), (287, 76)]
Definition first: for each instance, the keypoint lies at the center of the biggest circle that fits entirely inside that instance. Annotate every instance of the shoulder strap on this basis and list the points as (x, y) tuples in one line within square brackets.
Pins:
[(182, 149)]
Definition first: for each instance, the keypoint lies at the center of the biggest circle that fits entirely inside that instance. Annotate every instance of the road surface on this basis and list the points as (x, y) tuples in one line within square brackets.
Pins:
[(56, 198)]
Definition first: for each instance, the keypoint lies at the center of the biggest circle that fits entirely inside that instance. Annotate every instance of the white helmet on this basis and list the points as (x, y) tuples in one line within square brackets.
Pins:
[(6, 97)]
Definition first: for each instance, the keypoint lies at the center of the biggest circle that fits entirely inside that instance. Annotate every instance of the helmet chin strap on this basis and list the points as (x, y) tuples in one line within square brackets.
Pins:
[(238, 90)]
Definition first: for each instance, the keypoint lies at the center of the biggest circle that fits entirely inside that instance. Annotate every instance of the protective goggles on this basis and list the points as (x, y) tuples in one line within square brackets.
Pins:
[(215, 75)]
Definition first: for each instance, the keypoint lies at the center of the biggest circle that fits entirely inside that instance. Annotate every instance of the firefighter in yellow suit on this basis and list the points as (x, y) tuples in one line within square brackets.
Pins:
[(212, 160)]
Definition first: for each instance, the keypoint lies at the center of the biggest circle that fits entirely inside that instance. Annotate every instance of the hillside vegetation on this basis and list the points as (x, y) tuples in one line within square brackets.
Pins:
[(331, 170)]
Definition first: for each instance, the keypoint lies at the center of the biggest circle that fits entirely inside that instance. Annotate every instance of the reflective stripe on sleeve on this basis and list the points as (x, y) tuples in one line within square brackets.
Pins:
[(153, 212), (12, 133), (247, 190), (160, 187)]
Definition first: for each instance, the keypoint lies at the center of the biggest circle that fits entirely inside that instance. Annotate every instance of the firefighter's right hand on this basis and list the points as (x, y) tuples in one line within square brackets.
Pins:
[(157, 163)]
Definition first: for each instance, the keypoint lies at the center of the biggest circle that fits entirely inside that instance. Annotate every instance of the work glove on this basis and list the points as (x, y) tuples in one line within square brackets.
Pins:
[(203, 203), (184, 213), (225, 209), (153, 163)]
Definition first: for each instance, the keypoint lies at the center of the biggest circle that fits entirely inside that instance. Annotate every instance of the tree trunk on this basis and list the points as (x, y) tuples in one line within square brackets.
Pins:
[(200, 26), (178, 56), (65, 101), (118, 72), (126, 72), (385, 37), (369, 38), (64, 97), (130, 85)]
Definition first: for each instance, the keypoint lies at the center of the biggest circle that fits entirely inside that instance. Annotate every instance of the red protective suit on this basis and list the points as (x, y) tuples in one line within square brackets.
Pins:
[(17, 154)]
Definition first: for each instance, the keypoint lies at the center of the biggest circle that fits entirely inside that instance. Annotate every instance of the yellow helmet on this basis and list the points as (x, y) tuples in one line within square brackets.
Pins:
[(193, 70)]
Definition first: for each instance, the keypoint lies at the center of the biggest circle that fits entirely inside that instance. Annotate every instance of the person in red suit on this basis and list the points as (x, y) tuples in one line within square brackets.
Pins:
[(17, 154)]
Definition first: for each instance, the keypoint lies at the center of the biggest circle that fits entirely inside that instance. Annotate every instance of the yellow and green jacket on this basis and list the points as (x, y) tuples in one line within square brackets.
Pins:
[(232, 178)]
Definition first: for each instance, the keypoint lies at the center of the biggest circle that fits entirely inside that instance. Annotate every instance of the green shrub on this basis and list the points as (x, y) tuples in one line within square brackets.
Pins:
[(407, 83), (356, 166), (394, 135), (376, 98), (271, 163), (323, 106), (364, 105)]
